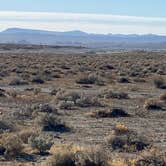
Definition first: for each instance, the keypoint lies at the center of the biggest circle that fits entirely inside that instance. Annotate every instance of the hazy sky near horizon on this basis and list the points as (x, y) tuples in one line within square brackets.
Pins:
[(93, 16)]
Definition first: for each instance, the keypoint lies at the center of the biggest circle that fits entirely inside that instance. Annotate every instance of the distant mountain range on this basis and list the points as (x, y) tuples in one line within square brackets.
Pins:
[(79, 38)]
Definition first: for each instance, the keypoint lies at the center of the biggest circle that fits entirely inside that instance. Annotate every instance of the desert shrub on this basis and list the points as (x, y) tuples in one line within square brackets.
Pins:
[(111, 113), (159, 82), (86, 80), (50, 122), (68, 96), (123, 80), (67, 105), (85, 101), (39, 143), (141, 80), (163, 97), (100, 82), (2, 93), (63, 155), (121, 162), (155, 158), (12, 145), (5, 126), (38, 80), (90, 79), (110, 94), (18, 81), (46, 108), (125, 140), (78, 156), (13, 93), (121, 129), (37, 91), (92, 156), (106, 67), (31, 111), (62, 159), (2, 150), (152, 104), (54, 92)]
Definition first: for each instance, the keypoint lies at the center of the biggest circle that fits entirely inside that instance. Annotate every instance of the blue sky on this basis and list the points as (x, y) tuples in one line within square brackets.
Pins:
[(93, 16)]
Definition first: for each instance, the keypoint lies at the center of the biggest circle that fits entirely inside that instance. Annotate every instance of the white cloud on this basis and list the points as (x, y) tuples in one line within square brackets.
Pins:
[(93, 23)]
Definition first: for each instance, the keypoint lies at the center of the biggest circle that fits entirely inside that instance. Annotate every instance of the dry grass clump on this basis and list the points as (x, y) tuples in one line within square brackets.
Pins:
[(73, 155), (121, 129), (111, 113), (121, 162), (65, 159), (152, 104), (26, 134), (12, 145), (124, 140), (153, 157)]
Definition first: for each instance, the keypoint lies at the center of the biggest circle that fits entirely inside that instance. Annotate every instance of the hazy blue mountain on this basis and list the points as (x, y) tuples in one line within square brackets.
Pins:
[(79, 38)]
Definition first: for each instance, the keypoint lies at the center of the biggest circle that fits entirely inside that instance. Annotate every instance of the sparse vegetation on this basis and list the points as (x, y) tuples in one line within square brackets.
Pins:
[(62, 102)]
